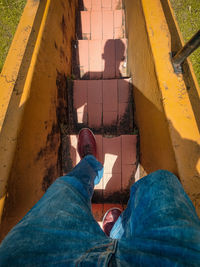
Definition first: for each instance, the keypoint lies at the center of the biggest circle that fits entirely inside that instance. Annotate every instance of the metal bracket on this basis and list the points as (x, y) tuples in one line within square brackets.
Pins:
[(177, 67), (184, 52)]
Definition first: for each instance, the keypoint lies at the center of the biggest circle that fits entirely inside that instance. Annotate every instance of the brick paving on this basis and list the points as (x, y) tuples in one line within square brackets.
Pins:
[(102, 98), (100, 5), (100, 103), (118, 156), (97, 25), (97, 59)]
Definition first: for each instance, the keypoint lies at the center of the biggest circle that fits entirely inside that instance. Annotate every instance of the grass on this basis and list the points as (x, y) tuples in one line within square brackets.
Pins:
[(10, 13), (187, 13)]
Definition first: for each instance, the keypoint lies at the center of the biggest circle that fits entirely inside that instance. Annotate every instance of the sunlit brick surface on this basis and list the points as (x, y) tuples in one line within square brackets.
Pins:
[(99, 59), (102, 98), (106, 24), (99, 103), (100, 4), (118, 156)]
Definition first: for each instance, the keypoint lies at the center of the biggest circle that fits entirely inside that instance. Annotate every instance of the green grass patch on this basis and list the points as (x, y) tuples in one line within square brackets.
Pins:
[(10, 13), (187, 13)]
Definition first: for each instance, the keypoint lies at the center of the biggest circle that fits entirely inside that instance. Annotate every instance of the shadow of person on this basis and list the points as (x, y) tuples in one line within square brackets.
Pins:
[(107, 60), (110, 61)]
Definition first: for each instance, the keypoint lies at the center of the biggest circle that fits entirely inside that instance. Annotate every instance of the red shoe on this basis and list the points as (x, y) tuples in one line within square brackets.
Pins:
[(86, 143), (109, 219)]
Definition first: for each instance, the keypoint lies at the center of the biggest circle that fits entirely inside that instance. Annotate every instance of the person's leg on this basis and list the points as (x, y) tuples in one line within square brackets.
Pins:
[(60, 229), (160, 223)]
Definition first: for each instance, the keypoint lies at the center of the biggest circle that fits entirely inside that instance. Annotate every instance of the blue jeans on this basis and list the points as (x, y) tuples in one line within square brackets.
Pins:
[(158, 228)]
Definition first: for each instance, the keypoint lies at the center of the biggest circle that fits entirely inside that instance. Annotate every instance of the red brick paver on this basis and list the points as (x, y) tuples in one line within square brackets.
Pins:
[(110, 95), (102, 58), (128, 173), (108, 55), (102, 25), (110, 102), (102, 4), (129, 149), (106, 4), (85, 25), (80, 100), (83, 57), (87, 4), (101, 101), (96, 25), (123, 90), (116, 4), (100, 104), (94, 103), (108, 25), (119, 27), (118, 171), (121, 57), (96, 5), (95, 59)]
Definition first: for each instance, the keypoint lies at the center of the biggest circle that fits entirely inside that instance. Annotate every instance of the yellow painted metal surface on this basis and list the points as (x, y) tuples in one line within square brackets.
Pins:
[(169, 130), (30, 135), (32, 99), (8, 92)]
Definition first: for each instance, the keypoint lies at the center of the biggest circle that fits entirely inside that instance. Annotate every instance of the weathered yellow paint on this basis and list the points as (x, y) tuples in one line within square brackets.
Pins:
[(2, 202), (10, 75), (176, 44), (30, 136), (27, 86), (11, 68), (33, 84), (163, 108)]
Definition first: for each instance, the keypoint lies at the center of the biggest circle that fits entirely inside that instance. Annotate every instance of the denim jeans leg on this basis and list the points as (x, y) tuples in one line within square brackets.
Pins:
[(60, 228), (160, 225)]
